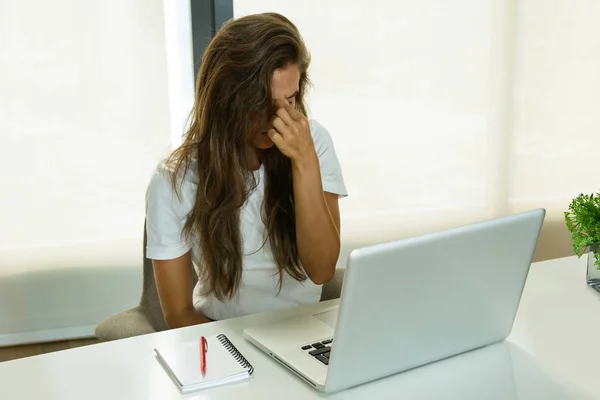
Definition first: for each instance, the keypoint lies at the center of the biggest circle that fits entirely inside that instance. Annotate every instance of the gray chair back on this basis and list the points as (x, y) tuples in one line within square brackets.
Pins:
[(150, 302)]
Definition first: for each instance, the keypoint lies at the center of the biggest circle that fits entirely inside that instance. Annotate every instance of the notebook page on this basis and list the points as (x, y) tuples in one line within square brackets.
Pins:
[(183, 360)]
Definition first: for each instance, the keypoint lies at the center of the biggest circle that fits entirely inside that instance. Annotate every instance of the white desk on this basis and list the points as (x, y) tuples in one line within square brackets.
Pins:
[(558, 323)]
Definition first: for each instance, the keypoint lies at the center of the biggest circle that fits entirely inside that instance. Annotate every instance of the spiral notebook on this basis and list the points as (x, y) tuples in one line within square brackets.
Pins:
[(225, 364)]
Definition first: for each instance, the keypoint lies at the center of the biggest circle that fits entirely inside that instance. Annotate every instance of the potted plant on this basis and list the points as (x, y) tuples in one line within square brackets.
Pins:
[(583, 220)]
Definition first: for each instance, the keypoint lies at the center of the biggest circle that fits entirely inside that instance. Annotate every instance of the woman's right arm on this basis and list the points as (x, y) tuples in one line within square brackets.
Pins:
[(174, 286)]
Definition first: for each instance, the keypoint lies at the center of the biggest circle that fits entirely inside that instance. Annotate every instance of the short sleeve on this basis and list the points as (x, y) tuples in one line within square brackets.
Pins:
[(166, 214), (331, 170)]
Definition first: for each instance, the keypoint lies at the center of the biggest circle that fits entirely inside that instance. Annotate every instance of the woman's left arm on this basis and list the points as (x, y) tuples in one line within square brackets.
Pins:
[(317, 212), (317, 221)]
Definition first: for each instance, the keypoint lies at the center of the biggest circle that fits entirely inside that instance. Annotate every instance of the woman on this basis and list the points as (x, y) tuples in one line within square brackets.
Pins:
[(251, 196)]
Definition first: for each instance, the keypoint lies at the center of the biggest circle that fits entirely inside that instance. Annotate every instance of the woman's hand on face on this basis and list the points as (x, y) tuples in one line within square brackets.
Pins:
[(291, 134)]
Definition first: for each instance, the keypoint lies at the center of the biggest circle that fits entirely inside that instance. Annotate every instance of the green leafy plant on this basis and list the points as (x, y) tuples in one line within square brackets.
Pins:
[(583, 220)]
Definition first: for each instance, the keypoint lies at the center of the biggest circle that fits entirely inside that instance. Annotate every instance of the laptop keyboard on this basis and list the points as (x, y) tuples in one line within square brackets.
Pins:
[(319, 350)]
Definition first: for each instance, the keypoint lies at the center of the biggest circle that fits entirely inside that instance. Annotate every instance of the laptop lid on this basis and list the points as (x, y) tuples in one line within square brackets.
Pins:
[(414, 301)]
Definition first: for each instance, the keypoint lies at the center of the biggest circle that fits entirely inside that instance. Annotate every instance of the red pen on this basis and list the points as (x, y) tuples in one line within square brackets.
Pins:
[(203, 350)]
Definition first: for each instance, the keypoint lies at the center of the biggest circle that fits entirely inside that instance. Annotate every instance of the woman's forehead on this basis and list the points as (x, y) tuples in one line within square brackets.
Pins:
[(285, 82)]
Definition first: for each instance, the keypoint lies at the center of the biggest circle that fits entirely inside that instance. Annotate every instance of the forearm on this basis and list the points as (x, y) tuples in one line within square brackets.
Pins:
[(317, 236), (186, 317), (176, 304)]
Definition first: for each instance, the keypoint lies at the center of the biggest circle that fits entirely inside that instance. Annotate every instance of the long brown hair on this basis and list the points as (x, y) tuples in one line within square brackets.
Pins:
[(233, 89)]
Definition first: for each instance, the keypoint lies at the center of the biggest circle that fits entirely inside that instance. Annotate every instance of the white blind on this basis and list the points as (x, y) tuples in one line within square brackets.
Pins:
[(84, 118), (450, 112), (556, 103), (441, 112)]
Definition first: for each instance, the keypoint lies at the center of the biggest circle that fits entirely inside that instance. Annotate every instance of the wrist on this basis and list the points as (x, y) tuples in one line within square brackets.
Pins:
[(306, 162)]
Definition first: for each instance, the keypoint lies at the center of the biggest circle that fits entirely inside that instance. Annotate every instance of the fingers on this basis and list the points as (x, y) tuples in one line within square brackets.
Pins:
[(291, 111), (295, 114), (281, 127), (286, 123), (285, 116), (275, 137)]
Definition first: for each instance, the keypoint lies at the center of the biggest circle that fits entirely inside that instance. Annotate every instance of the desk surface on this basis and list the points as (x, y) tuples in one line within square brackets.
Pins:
[(552, 353)]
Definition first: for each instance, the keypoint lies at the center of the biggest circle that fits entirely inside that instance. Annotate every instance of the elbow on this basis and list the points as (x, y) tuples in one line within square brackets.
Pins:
[(185, 317), (176, 319), (321, 268), (324, 275), (321, 281), (172, 320)]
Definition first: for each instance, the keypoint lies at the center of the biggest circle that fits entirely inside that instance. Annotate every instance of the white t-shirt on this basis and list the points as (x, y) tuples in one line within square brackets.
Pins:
[(258, 291)]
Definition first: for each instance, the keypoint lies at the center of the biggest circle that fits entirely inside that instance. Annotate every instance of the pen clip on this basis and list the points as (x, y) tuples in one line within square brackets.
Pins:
[(205, 344)]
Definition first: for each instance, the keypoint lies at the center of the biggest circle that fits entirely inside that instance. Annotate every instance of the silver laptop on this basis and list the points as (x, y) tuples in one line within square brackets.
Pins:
[(411, 302)]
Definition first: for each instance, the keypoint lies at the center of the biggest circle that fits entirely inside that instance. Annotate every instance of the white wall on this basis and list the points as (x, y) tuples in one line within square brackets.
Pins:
[(92, 95), (57, 304)]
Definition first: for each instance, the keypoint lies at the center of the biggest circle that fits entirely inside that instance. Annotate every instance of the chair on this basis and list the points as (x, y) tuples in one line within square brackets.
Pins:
[(147, 317)]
